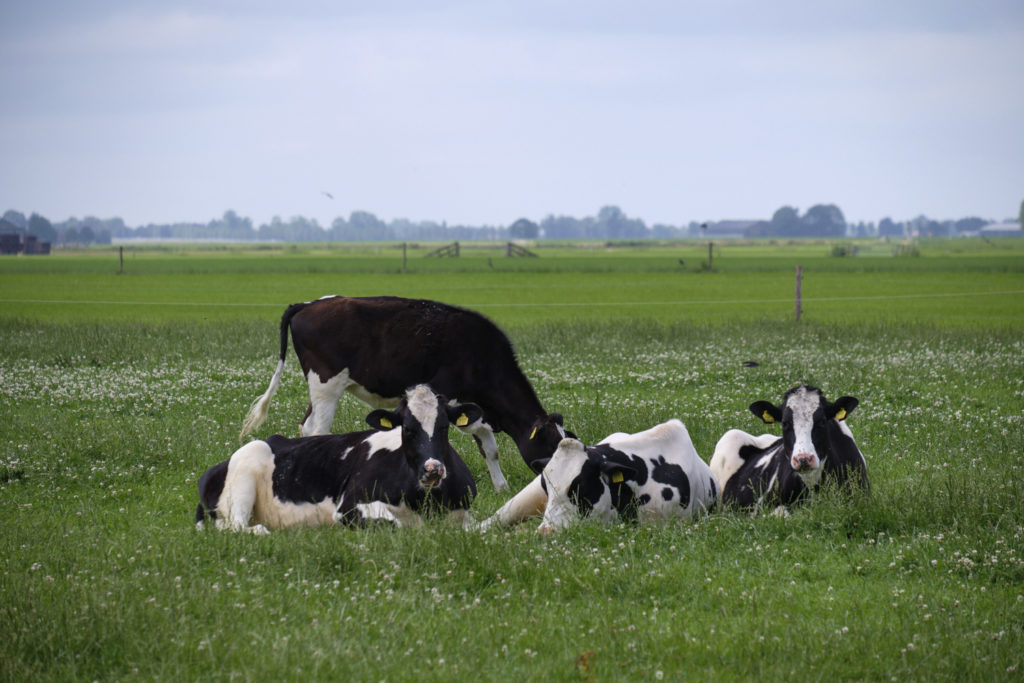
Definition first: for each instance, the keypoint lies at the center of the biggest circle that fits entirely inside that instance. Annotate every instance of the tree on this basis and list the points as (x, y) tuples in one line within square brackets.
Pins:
[(41, 228), (524, 229), (824, 220), (785, 221)]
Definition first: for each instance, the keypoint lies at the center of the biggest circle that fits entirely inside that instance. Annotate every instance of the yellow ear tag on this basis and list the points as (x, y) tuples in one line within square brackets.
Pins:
[(617, 477), (767, 417), (462, 421), (384, 422), (533, 433), (840, 414)]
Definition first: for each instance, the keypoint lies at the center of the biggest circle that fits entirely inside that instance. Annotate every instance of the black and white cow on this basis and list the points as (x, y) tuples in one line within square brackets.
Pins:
[(651, 475), (816, 445), (375, 347), (389, 473)]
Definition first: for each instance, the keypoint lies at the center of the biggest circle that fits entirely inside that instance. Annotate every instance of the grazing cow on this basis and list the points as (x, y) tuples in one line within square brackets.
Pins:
[(389, 473), (375, 347), (815, 445), (652, 475)]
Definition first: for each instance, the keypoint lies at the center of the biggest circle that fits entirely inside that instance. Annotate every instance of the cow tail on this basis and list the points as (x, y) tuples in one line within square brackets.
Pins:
[(258, 410)]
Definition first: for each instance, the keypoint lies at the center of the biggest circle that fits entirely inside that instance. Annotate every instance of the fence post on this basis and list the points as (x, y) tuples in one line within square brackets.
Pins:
[(799, 296), (403, 256), (120, 249), (711, 246)]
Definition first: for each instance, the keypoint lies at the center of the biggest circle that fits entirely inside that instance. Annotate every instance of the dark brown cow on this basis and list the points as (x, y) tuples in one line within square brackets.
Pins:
[(375, 347)]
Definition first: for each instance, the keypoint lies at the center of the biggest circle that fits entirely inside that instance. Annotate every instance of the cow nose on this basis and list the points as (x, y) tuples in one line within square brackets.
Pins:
[(433, 473), (804, 462)]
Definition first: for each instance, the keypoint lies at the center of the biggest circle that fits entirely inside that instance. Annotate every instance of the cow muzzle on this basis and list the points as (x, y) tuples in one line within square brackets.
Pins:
[(433, 473), (804, 462)]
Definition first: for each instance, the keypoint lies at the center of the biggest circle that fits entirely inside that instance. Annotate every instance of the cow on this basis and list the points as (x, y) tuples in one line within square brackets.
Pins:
[(391, 472), (375, 347), (651, 475), (816, 446)]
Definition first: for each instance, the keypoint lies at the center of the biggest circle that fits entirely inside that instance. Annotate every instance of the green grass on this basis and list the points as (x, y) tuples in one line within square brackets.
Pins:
[(110, 415)]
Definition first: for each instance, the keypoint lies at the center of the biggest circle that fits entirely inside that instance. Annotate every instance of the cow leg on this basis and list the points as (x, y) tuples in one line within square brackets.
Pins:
[(530, 502), (323, 401), (488, 445), (464, 519)]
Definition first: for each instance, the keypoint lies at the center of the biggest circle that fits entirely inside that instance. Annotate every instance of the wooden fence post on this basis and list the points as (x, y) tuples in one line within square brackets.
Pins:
[(711, 246), (799, 295), (121, 251), (403, 256)]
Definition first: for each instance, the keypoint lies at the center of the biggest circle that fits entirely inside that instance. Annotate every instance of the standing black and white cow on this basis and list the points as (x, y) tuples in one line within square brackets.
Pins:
[(816, 445), (375, 347), (389, 473), (651, 475)]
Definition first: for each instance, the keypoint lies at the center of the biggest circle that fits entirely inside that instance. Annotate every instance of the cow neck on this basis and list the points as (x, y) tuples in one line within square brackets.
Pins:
[(514, 409)]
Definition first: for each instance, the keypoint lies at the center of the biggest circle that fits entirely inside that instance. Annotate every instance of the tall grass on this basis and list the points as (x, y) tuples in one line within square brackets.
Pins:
[(106, 427)]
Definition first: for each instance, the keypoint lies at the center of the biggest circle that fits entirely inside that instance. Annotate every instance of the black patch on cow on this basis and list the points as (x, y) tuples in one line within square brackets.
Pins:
[(644, 499), (673, 475), (307, 469), (667, 493)]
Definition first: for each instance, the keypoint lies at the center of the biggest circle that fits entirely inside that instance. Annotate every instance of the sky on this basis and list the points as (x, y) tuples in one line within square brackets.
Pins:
[(481, 113)]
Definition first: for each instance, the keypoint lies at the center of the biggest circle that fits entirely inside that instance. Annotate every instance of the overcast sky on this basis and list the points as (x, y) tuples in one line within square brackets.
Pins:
[(484, 112)]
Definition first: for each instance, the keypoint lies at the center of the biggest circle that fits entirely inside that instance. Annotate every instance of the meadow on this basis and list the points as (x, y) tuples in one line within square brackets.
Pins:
[(119, 388)]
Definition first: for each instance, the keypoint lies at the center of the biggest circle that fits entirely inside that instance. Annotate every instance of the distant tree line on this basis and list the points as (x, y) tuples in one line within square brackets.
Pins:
[(610, 223)]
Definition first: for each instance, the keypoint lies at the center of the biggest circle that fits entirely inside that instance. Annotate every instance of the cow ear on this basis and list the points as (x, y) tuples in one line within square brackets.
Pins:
[(766, 411), (464, 414), (556, 418), (383, 420), (618, 472), (615, 471), (843, 407), (539, 464)]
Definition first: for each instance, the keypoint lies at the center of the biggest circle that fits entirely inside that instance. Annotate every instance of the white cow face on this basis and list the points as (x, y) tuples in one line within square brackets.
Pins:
[(805, 415), (577, 483)]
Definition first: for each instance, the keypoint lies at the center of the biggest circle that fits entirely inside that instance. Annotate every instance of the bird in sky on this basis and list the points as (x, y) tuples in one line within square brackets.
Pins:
[(327, 194)]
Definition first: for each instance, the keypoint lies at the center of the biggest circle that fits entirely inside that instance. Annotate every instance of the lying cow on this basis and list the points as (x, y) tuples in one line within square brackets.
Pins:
[(375, 347), (651, 475), (389, 473), (816, 445)]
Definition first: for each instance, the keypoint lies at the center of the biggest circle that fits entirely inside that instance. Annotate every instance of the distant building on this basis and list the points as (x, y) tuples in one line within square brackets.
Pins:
[(11, 240), (1010, 229)]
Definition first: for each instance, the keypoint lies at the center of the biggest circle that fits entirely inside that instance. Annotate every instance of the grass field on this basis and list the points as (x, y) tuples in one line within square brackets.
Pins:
[(118, 390)]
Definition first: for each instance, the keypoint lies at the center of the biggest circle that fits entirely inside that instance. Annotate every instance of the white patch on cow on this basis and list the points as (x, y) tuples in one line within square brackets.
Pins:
[(424, 406), (765, 460), (323, 400), (399, 515), (248, 496), (371, 399), (391, 440), (726, 460), (803, 405)]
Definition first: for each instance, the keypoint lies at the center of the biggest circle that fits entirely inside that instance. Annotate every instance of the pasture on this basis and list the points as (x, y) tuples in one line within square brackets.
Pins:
[(117, 390)]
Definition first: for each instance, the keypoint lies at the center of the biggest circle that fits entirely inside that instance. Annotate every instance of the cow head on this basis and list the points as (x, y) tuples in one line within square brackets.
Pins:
[(805, 415), (580, 482), (545, 435), (423, 418)]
